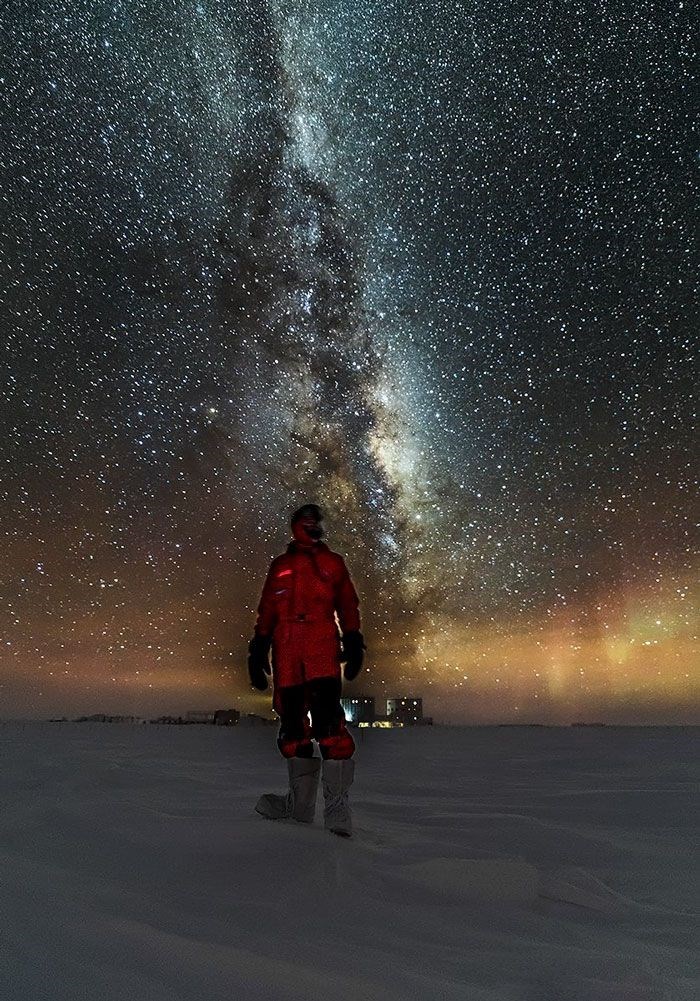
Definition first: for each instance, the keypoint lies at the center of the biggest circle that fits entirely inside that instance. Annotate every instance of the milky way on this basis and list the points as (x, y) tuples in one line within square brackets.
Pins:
[(430, 266)]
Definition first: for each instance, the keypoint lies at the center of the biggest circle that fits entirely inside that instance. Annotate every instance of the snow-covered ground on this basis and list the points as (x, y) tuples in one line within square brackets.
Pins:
[(488, 864)]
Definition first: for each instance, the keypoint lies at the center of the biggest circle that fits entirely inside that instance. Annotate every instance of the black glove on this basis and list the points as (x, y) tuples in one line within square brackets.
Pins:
[(353, 653), (259, 661)]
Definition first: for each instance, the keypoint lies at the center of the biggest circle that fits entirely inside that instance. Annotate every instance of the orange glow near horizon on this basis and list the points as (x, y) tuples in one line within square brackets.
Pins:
[(636, 662)]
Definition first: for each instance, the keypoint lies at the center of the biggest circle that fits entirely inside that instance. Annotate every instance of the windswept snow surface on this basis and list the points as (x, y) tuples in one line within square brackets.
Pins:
[(488, 864)]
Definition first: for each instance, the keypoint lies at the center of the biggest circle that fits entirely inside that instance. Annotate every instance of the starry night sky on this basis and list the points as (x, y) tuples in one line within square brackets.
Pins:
[(429, 265)]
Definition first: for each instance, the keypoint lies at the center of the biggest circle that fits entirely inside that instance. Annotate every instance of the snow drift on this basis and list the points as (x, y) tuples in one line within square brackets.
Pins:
[(488, 864)]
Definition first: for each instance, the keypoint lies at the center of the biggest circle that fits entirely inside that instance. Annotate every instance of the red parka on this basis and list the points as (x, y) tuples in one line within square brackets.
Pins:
[(305, 589)]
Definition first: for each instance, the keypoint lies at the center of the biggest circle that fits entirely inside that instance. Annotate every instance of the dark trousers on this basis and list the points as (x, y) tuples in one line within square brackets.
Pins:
[(321, 699)]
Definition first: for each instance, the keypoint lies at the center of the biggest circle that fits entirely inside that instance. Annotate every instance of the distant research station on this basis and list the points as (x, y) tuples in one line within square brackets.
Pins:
[(360, 711)]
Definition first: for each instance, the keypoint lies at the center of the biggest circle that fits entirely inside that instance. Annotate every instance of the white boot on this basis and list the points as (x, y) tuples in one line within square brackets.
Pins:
[(337, 779), (300, 801)]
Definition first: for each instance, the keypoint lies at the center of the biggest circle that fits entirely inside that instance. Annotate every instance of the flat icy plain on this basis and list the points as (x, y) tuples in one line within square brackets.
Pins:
[(489, 864)]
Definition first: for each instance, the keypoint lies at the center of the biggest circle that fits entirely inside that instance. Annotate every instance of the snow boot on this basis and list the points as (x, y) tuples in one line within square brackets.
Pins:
[(300, 801), (337, 779)]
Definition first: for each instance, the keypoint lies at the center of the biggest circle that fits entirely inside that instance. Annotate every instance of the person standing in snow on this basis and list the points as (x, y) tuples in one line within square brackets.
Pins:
[(307, 595)]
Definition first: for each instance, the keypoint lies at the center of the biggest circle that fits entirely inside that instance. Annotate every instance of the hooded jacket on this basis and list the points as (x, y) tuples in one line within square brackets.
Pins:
[(305, 589)]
